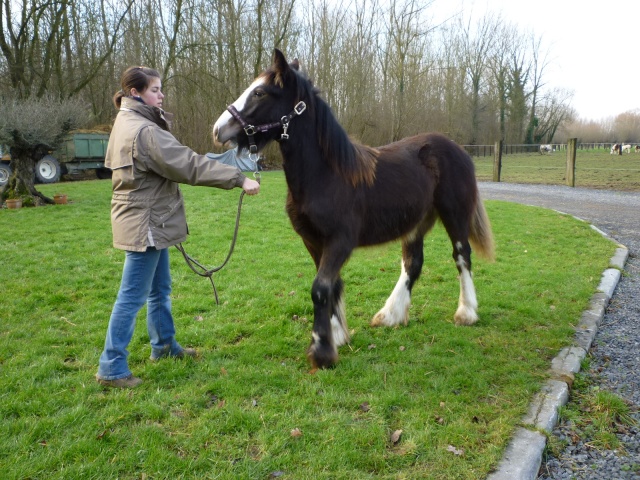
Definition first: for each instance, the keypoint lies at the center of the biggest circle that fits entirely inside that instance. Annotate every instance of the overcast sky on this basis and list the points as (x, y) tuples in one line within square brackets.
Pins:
[(594, 46)]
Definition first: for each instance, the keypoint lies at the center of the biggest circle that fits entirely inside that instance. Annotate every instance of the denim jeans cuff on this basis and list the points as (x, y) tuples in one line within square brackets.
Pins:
[(113, 377)]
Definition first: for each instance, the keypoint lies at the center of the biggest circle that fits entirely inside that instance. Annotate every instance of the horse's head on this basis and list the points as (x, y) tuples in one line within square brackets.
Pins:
[(272, 96)]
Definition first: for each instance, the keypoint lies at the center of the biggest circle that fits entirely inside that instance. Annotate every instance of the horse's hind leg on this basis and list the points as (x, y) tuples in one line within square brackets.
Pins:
[(466, 314), (396, 308)]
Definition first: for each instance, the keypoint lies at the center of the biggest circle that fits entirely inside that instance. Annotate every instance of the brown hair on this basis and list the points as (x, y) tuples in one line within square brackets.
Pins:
[(134, 77)]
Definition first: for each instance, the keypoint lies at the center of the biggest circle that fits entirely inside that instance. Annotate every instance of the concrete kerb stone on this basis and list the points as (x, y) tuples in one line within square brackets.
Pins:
[(523, 456), (619, 259), (587, 329), (543, 411)]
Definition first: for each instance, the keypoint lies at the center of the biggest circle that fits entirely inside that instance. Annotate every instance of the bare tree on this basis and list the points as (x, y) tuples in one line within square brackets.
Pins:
[(553, 110), (40, 44), (477, 42), (539, 63), (498, 64), (382, 66), (626, 126), (404, 54), (517, 109)]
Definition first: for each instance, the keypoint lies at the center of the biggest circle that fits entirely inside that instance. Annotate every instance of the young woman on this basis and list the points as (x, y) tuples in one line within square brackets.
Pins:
[(148, 216)]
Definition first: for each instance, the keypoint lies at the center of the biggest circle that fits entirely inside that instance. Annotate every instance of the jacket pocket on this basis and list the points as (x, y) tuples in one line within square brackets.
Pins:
[(169, 208)]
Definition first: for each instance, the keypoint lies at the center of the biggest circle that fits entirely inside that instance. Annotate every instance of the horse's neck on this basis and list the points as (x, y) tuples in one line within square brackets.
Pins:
[(302, 161)]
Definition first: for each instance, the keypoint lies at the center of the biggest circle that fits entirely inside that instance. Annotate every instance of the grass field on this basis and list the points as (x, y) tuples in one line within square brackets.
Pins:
[(250, 408), (594, 169)]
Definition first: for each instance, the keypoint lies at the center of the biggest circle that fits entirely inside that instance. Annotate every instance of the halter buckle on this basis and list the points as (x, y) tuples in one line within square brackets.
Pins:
[(300, 107), (250, 130)]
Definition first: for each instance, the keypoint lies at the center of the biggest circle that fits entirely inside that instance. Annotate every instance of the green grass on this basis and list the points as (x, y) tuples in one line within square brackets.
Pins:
[(230, 414), (594, 169)]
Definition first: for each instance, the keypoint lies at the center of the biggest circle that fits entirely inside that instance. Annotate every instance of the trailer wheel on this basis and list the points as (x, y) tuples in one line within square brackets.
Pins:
[(103, 173), (48, 170), (5, 174)]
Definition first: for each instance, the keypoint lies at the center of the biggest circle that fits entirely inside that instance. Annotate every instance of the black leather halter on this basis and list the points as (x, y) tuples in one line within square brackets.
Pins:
[(251, 130)]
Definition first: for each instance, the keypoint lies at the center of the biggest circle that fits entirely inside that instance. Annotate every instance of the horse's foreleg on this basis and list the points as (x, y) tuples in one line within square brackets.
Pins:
[(339, 328), (467, 313), (396, 308), (329, 322), (322, 352)]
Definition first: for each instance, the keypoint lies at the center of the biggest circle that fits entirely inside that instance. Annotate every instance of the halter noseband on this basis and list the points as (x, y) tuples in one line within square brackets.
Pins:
[(251, 130)]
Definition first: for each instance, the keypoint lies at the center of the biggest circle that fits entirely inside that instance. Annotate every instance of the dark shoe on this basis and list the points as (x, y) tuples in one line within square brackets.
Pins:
[(186, 352), (127, 382)]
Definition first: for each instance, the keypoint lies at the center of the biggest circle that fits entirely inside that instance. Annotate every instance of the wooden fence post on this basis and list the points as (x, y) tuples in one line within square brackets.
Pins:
[(497, 161), (571, 162)]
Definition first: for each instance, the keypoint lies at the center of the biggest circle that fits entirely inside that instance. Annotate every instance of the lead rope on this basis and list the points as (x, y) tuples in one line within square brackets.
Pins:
[(200, 269)]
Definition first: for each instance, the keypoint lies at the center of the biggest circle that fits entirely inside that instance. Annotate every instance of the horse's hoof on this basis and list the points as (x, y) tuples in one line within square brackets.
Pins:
[(390, 319), (465, 316), (378, 320), (322, 357)]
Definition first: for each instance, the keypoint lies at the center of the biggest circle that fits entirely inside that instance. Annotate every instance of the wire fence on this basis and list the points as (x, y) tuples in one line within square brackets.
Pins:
[(515, 148), (589, 165)]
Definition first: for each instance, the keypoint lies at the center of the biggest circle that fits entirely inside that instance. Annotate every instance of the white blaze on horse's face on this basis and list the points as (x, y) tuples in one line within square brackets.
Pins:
[(221, 134)]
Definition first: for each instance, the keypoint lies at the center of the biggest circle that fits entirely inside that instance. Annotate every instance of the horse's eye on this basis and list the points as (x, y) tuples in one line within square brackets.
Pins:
[(258, 93)]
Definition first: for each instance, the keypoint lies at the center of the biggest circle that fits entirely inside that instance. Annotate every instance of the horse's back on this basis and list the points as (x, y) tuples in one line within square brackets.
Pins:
[(448, 167), (441, 158), (434, 144)]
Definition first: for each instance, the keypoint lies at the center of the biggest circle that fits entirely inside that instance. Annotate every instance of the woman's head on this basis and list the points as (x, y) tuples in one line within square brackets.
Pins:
[(142, 82)]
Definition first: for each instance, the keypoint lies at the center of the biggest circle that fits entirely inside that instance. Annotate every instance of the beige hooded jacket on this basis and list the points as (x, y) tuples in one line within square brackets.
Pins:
[(148, 163)]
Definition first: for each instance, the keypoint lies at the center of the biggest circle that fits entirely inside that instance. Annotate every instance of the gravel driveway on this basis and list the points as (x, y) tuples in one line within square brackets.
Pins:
[(615, 354)]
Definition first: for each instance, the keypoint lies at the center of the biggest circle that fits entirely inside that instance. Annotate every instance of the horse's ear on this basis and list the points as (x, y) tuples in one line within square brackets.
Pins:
[(295, 64), (279, 62), (281, 67)]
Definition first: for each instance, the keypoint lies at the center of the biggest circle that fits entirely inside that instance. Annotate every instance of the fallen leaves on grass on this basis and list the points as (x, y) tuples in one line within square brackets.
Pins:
[(454, 450), (395, 437)]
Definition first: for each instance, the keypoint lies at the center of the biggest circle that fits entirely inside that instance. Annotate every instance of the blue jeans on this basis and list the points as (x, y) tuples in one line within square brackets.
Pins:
[(145, 278)]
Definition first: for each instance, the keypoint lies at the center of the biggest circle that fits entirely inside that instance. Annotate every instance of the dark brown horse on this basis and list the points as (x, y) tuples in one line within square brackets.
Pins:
[(343, 195)]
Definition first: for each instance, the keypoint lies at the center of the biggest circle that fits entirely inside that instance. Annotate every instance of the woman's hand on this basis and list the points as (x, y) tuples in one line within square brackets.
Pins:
[(251, 187)]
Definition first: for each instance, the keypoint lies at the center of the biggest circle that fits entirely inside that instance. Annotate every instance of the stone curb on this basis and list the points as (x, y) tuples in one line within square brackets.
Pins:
[(523, 457)]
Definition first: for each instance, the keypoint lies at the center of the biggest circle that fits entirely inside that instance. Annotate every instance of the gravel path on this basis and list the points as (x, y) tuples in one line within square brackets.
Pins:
[(615, 354)]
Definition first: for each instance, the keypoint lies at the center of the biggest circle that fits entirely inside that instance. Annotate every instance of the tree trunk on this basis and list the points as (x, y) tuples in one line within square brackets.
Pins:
[(22, 181)]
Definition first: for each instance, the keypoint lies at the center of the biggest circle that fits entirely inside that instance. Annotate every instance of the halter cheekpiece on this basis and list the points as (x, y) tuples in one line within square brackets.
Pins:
[(251, 130)]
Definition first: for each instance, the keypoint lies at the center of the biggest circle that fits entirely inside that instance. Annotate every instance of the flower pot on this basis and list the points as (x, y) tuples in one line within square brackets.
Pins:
[(14, 203), (59, 199)]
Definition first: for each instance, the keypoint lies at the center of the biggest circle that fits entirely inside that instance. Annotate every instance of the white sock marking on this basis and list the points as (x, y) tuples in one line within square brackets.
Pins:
[(396, 308)]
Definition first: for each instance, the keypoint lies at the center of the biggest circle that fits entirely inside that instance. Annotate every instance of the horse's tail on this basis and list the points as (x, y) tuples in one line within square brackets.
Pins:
[(480, 234)]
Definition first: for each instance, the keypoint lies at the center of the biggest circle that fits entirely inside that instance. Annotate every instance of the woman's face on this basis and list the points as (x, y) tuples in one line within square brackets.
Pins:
[(152, 95)]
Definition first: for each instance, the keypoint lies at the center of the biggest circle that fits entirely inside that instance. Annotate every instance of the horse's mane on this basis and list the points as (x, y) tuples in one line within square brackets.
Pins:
[(355, 162)]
